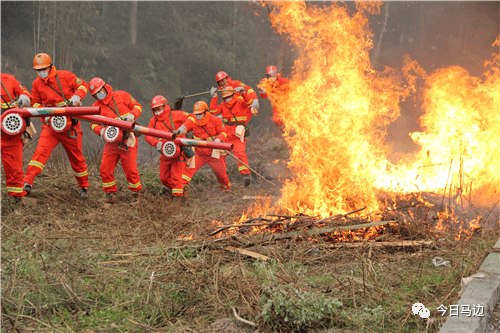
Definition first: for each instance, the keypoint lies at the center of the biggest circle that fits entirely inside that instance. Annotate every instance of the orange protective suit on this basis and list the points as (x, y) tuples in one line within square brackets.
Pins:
[(114, 105), (278, 88), (234, 113), (43, 95), (171, 169), (12, 145), (249, 95), (209, 128)]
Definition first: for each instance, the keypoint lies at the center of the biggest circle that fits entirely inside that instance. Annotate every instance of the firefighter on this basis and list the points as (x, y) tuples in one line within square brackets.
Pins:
[(279, 86), (211, 128), (14, 95), (172, 167), (250, 96), (233, 110), (118, 105), (52, 88)]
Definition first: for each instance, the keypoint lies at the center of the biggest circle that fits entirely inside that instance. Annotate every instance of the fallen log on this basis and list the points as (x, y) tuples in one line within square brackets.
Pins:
[(227, 226), (242, 224), (272, 236), (338, 216), (381, 244), (247, 253)]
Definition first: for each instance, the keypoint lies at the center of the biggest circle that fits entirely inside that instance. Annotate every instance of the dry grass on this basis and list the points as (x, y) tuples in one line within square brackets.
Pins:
[(71, 266)]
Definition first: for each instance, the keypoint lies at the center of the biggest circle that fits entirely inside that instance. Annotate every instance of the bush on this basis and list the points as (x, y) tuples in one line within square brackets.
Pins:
[(285, 307)]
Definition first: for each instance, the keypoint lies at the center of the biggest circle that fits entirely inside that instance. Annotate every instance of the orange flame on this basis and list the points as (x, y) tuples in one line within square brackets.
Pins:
[(337, 108)]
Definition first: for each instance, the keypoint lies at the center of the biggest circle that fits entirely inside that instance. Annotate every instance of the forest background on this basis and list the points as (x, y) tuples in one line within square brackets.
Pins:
[(175, 48)]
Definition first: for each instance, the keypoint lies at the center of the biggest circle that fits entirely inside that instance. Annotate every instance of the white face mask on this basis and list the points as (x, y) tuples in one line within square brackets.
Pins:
[(200, 116), (228, 99), (157, 113), (43, 74), (100, 95)]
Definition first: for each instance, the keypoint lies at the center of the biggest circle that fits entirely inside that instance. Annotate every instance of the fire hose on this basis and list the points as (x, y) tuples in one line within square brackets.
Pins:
[(14, 121)]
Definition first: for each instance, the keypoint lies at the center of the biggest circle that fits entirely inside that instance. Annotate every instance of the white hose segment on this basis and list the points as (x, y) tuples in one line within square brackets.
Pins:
[(60, 123), (168, 149), (13, 124), (113, 134)]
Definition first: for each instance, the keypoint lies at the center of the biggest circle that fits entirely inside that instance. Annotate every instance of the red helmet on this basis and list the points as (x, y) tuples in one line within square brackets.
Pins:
[(95, 85), (157, 101), (42, 60), (271, 70), (220, 76), (200, 107)]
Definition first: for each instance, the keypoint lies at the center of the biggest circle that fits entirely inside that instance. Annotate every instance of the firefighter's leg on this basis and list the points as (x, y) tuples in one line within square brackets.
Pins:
[(46, 143), (218, 166), (73, 148), (110, 158), (166, 171), (129, 164), (176, 178), (12, 161), (240, 153), (188, 173)]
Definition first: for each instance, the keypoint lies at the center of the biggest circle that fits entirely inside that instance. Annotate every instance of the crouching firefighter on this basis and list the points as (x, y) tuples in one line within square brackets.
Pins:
[(14, 95), (52, 88), (210, 128), (120, 146), (174, 157)]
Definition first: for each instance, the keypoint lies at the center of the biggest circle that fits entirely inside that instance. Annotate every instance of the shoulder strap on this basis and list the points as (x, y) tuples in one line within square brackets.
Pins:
[(115, 111), (7, 94), (211, 137), (62, 93), (171, 121), (59, 93), (167, 126)]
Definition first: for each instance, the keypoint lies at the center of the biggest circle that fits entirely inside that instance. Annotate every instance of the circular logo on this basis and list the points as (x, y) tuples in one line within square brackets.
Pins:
[(39, 61), (154, 101), (92, 87)]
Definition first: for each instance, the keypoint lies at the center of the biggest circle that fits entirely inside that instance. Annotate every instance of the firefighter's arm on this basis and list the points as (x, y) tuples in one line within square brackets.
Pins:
[(98, 129), (135, 109), (151, 139), (262, 92), (36, 100), (221, 130), (187, 126), (214, 108), (80, 88)]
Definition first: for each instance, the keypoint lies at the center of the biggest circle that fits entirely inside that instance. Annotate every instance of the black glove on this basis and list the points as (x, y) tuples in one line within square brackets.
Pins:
[(178, 103)]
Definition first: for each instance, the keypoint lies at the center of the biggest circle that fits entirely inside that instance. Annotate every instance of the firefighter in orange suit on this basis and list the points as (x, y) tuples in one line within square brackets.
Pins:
[(53, 88), (278, 86), (234, 113), (118, 105), (211, 128), (249, 95), (13, 95), (167, 120)]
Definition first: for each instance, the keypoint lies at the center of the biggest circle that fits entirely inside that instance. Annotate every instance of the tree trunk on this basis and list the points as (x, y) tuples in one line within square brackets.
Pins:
[(384, 29), (54, 40), (133, 23)]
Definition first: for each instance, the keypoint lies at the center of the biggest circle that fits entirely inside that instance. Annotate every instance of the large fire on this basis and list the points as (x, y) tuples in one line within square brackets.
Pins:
[(338, 107)]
